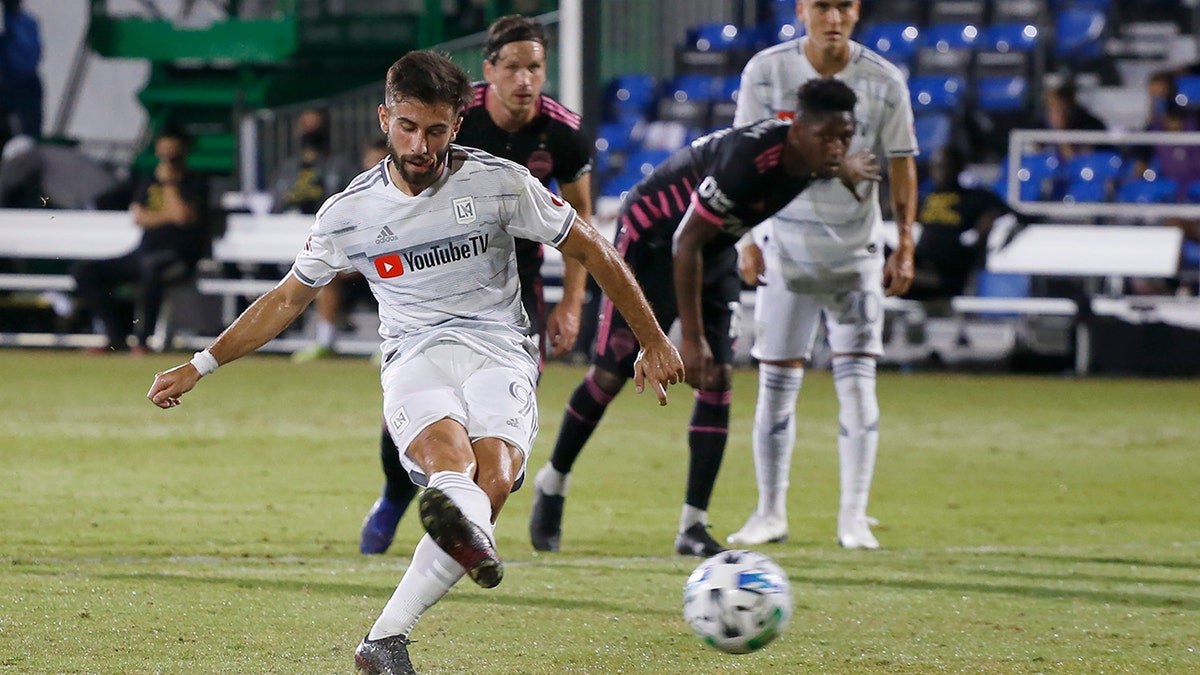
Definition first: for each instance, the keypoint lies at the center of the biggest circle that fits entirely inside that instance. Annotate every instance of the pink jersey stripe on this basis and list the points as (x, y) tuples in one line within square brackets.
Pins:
[(678, 198), (768, 158), (654, 210), (560, 112), (640, 216), (662, 203), (599, 395)]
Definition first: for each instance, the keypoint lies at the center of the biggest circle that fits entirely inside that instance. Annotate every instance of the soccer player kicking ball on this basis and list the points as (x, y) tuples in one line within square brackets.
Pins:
[(719, 188), (459, 369)]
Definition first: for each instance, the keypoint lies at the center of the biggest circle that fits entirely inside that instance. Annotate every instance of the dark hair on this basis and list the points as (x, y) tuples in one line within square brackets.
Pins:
[(512, 28), (825, 96), (177, 133), (428, 77)]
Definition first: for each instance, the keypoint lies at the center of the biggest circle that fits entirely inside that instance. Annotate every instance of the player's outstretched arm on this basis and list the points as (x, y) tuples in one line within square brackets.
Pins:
[(658, 363), (259, 324)]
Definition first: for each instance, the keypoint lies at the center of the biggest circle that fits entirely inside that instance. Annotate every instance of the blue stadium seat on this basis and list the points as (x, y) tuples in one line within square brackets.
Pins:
[(719, 37), (1010, 37), (948, 36), (630, 96), (644, 161), (1002, 94), (1187, 91), (1036, 175), (935, 93), (620, 184), (933, 132), (1142, 191), (688, 99), (1078, 33), (1089, 176), (897, 41)]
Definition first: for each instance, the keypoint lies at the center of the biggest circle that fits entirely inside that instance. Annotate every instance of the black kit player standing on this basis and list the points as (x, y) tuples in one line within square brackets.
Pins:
[(511, 118), (701, 200)]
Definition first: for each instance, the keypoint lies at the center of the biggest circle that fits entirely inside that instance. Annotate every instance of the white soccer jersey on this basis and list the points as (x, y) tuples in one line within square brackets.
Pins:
[(825, 225), (440, 263)]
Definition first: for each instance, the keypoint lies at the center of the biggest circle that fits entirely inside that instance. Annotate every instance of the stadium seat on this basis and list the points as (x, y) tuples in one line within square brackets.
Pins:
[(1089, 176), (895, 11), (1010, 37), (1078, 33), (933, 133), (725, 103), (688, 99), (718, 37), (620, 184), (1036, 175), (947, 36), (996, 285), (629, 97), (935, 93), (1142, 191), (897, 42), (644, 161), (1002, 94), (1187, 91)]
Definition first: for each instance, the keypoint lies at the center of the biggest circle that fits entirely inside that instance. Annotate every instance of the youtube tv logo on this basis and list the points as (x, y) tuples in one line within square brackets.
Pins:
[(389, 266)]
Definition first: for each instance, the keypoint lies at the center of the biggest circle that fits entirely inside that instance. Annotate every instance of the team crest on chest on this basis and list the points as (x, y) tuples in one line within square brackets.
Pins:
[(464, 210)]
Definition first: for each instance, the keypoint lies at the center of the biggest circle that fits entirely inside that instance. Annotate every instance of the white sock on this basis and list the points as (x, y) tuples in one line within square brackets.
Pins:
[(775, 435), (551, 482), (325, 333), (429, 577), (690, 516), (858, 436), (467, 496)]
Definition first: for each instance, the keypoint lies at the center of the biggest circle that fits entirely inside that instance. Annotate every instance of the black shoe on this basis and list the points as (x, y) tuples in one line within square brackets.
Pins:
[(696, 541), (463, 540), (545, 521), (385, 656)]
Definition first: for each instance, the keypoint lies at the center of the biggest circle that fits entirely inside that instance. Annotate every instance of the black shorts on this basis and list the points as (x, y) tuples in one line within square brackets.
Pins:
[(652, 264)]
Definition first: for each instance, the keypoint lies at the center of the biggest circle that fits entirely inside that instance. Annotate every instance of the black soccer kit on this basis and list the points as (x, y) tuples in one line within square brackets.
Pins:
[(734, 178), (554, 148)]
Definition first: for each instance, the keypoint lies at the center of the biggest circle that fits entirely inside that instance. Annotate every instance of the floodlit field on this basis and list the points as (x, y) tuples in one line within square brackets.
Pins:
[(1031, 525)]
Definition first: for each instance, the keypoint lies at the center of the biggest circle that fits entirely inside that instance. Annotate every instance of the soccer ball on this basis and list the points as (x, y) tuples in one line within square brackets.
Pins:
[(737, 601)]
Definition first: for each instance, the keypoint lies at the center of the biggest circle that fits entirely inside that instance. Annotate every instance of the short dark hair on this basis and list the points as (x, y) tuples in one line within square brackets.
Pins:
[(428, 77), (512, 28), (826, 95)]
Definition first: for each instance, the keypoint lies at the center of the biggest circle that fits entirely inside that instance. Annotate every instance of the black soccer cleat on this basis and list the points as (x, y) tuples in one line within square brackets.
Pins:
[(696, 541), (385, 656), (463, 540), (545, 520)]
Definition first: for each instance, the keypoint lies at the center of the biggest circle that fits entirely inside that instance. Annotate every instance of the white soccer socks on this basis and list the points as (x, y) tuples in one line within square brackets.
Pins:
[(429, 577), (551, 482), (775, 436), (858, 444)]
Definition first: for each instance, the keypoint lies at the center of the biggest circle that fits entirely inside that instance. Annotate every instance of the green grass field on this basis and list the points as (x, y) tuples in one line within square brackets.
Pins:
[(1030, 525)]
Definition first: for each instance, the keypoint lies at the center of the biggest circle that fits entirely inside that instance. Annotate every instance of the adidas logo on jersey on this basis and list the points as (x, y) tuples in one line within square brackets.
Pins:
[(385, 235)]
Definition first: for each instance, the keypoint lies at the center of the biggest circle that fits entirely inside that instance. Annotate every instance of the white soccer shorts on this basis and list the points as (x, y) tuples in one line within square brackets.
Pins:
[(449, 380), (786, 319)]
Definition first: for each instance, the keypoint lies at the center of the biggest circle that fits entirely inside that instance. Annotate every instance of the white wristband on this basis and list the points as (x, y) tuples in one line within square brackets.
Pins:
[(204, 362)]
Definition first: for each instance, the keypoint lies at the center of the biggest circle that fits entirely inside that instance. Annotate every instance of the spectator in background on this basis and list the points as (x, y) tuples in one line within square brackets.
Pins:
[(170, 209), (955, 222), (331, 298), (307, 178), (1065, 113), (20, 84), (36, 175)]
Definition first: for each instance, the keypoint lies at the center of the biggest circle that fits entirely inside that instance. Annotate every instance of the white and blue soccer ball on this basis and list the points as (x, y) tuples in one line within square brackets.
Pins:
[(737, 601)]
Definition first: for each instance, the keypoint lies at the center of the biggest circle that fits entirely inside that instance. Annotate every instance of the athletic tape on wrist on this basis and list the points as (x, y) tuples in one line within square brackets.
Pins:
[(204, 362)]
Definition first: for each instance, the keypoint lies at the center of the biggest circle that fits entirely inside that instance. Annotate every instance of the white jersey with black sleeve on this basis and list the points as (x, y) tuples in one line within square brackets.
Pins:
[(825, 225), (441, 263)]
